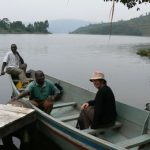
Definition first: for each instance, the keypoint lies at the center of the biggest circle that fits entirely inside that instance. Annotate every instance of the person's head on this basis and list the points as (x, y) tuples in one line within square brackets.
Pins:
[(98, 79), (39, 77), (14, 48)]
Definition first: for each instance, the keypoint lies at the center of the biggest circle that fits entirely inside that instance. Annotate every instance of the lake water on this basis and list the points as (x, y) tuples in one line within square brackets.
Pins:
[(73, 58)]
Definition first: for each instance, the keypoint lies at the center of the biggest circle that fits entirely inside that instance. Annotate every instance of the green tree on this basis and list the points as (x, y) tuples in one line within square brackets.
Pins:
[(130, 3), (41, 26), (17, 26), (30, 28), (5, 23)]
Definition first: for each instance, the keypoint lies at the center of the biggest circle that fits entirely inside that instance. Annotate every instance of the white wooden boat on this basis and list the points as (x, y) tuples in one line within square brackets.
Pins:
[(131, 130)]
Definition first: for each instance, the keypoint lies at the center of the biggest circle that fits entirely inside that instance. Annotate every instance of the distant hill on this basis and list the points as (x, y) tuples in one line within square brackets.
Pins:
[(138, 26), (66, 25)]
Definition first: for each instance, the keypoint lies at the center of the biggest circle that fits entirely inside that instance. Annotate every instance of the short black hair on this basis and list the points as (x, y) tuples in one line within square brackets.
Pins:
[(13, 45), (38, 72)]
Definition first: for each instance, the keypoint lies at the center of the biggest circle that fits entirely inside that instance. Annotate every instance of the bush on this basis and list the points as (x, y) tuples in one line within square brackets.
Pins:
[(144, 52)]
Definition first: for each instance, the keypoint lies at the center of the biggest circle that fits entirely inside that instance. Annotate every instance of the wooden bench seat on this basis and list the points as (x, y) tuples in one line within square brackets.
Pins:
[(137, 141), (69, 118), (95, 131), (65, 105)]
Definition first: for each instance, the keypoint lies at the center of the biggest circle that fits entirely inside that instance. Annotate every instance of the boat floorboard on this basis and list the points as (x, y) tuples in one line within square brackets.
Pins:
[(117, 125), (64, 112), (137, 141), (112, 136), (69, 118)]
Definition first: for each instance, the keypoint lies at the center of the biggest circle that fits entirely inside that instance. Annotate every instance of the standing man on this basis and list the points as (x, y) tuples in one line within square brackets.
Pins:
[(14, 64), (42, 92), (100, 112)]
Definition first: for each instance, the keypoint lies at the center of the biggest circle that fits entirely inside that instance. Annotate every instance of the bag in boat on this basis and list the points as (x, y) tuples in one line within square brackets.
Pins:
[(59, 87)]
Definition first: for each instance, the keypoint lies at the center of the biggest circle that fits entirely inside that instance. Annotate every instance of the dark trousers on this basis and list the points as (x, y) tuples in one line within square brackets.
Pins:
[(85, 119)]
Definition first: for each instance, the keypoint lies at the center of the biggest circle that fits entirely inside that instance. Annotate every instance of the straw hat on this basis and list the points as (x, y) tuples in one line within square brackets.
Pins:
[(97, 75)]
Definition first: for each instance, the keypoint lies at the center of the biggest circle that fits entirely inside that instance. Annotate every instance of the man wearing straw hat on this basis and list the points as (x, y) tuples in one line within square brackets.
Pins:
[(100, 112)]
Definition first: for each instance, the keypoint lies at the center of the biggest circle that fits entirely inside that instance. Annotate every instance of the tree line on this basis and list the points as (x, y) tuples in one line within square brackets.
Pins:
[(18, 27)]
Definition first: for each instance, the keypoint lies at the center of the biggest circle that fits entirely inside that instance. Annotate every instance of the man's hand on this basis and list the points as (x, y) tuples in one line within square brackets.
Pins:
[(84, 106), (14, 98), (51, 98)]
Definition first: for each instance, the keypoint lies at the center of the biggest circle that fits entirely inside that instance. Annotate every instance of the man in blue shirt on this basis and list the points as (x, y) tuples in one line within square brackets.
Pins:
[(42, 92)]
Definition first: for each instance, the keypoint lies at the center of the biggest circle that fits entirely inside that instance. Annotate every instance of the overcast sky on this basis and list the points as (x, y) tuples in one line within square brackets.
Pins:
[(90, 10)]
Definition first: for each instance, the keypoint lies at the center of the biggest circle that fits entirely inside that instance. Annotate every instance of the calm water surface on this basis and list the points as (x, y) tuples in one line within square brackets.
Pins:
[(74, 57)]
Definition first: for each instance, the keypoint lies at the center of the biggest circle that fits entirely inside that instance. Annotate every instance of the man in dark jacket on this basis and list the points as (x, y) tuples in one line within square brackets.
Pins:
[(100, 112)]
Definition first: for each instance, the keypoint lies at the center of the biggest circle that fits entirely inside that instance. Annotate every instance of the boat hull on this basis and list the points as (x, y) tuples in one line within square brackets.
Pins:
[(66, 137)]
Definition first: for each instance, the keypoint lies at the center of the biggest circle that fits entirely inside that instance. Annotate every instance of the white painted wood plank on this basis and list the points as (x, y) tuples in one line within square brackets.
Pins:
[(13, 118), (9, 113), (11, 108), (8, 117)]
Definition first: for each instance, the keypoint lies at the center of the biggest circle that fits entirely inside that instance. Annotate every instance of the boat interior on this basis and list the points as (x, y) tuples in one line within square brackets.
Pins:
[(125, 133)]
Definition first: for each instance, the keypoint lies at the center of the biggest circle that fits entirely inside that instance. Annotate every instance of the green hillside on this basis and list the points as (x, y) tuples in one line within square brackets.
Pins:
[(138, 26)]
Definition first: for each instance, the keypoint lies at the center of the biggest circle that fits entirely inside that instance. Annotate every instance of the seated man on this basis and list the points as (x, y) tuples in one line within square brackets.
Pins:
[(14, 64), (42, 92), (100, 112)]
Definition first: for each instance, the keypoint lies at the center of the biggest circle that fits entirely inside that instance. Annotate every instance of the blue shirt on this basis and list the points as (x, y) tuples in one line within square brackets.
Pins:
[(38, 92)]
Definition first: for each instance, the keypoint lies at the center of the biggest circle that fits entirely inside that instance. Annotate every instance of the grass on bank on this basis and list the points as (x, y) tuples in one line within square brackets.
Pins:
[(144, 52)]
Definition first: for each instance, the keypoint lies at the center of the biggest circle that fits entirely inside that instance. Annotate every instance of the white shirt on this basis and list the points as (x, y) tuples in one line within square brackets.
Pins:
[(11, 59)]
